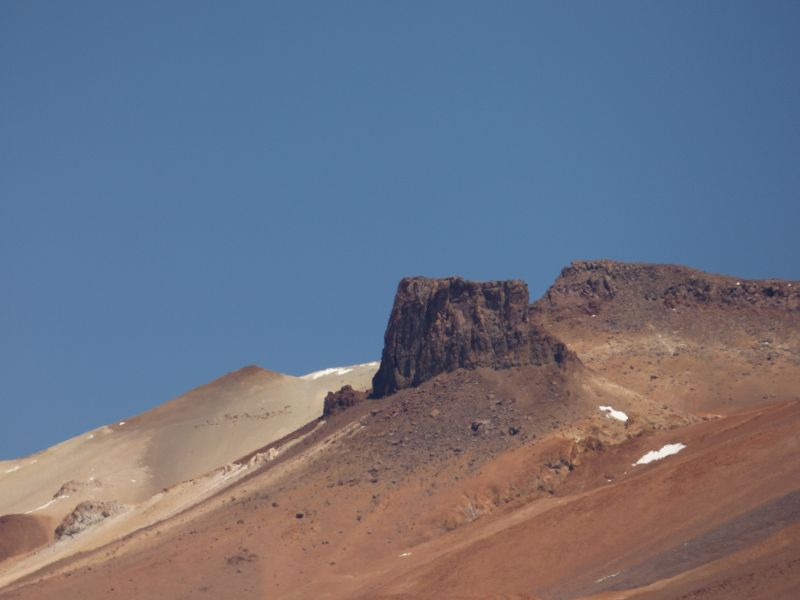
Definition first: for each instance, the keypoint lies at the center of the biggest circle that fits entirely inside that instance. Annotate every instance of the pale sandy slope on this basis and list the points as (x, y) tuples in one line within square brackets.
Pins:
[(208, 427)]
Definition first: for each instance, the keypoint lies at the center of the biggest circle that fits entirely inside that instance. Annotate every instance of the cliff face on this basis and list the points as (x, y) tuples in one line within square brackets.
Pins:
[(440, 325)]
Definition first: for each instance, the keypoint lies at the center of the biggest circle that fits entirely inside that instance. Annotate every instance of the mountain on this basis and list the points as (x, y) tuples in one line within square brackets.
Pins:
[(631, 434), (144, 462)]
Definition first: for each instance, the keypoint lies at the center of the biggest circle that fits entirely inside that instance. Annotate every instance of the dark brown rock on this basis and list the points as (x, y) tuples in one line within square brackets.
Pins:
[(593, 285), (336, 402), (440, 325)]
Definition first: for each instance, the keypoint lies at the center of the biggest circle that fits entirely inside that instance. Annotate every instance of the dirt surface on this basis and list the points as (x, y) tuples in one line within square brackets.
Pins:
[(23, 533)]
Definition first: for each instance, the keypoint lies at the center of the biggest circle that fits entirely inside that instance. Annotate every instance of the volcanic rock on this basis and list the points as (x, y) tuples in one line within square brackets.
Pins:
[(336, 402), (440, 325), (590, 285)]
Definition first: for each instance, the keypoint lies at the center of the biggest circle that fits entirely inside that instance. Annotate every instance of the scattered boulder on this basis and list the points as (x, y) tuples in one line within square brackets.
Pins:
[(440, 325), (336, 402), (85, 515), (243, 556), (479, 427)]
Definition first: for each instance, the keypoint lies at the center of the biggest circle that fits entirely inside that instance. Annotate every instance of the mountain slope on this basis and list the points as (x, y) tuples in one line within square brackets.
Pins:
[(656, 461), (138, 461), (694, 340)]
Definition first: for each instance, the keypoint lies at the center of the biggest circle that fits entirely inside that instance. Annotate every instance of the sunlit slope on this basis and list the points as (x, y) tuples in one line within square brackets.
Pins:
[(208, 427)]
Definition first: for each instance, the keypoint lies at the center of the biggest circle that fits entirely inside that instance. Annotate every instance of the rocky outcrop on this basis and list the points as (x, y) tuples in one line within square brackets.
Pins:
[(85, 515), (591, 285), (336, 402), (440, 325)]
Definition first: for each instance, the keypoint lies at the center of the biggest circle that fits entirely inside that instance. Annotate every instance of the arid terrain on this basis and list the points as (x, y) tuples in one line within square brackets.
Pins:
[(634, 433)]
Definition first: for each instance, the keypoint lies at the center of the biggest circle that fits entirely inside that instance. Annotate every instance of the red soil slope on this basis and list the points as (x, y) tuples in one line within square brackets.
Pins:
[(22, 533)]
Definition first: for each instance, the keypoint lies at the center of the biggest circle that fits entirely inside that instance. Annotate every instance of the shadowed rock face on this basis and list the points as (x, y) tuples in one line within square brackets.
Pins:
[(440, 325), (336, 402)]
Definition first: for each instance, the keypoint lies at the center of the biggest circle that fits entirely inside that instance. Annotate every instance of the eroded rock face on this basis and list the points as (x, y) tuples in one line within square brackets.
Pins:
[(336, 402), (440, 325), (85, 515)]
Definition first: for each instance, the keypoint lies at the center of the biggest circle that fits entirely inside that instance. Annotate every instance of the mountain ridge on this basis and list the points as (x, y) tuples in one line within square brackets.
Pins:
[(487, 467)]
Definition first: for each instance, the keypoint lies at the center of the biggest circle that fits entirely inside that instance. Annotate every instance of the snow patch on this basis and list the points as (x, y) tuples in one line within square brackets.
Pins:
[(121, 423), (324, 372), (13, 469), (405, 554), (614, 414), (337, 370), (666, 450)]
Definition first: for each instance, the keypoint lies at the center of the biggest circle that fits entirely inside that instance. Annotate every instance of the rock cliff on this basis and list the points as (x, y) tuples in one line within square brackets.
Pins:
[(341, 400), (440, 325)]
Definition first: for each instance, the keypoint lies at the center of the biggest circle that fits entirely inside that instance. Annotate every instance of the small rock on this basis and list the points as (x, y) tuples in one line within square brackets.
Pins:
[(478, 427)]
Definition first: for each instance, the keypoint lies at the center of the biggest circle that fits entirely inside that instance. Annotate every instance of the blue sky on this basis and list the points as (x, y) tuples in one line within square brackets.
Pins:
[(190, 187)]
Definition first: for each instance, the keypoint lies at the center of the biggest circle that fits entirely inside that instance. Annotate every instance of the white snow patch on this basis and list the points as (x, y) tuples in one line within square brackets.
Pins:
[(90, 436), (12, 469), (337, 370), (121, 423), (666, 450), (614, 414), (405, 554), (34, 461), (324, 372)]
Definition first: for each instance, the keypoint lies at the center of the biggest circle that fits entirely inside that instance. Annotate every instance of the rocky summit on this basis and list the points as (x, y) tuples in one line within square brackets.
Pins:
[(440, 325)]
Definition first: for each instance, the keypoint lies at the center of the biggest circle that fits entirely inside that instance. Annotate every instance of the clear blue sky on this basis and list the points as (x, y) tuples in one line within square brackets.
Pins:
[(190, 187)]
